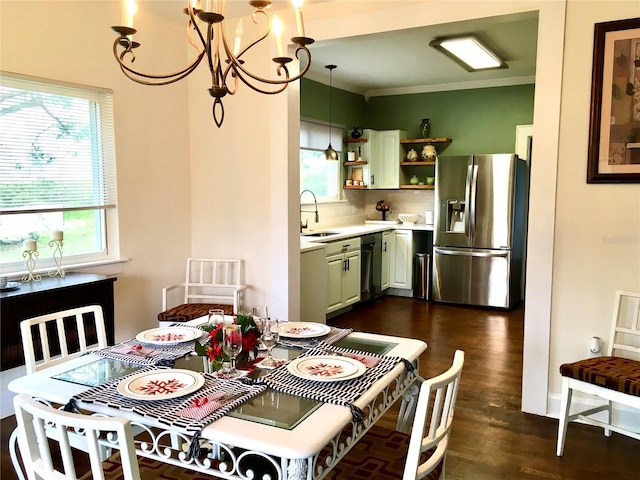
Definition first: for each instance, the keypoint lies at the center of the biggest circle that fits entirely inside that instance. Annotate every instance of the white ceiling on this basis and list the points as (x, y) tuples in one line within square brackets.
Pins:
[(400, 62)]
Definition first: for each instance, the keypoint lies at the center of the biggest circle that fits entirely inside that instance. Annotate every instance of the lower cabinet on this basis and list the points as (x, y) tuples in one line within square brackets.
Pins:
[(312, 282), (401, 265), (342, 281), (388, 246)]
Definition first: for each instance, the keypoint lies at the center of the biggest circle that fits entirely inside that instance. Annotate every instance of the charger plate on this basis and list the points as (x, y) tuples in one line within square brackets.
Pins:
[(160, 384), (328, 368)]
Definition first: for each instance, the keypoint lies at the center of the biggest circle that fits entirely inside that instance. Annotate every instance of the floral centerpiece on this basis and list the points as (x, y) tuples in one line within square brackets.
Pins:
[(212, 347)]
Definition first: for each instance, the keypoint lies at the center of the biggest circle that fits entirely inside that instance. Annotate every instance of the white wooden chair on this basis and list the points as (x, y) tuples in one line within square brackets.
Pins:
[(432, 423), (39, 424), (614, 378), (209, 283), (54, 338)]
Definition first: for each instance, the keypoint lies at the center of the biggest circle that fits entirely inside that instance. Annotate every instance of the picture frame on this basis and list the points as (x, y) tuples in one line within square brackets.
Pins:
[(614, 129)]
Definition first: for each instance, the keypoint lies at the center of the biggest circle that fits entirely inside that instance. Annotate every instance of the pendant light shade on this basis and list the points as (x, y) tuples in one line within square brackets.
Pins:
[(330, 153)]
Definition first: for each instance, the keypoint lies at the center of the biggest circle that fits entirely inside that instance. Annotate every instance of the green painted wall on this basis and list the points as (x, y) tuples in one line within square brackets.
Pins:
[(348, 109), (479, 121)]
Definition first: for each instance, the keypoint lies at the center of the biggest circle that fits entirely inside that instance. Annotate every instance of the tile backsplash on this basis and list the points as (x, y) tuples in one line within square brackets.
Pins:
[(361, 205)]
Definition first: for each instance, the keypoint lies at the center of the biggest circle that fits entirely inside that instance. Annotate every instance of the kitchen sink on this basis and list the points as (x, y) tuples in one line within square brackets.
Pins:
[(320, 234)]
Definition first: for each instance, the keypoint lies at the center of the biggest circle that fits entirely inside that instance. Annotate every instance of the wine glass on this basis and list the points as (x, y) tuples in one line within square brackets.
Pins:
[(232, 345), (260, 315), (270, 336), (216, 316)]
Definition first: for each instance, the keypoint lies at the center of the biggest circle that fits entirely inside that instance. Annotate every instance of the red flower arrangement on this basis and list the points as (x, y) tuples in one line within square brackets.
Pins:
[(212, 348)]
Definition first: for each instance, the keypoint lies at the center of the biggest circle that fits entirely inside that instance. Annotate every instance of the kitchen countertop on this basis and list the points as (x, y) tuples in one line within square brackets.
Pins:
[(308, 243)]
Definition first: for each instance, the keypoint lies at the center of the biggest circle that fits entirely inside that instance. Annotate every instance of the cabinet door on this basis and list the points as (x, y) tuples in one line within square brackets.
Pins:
[(333, 282), (388, 165), (387, 249), (351, 278), (402, 272), (370, 153)]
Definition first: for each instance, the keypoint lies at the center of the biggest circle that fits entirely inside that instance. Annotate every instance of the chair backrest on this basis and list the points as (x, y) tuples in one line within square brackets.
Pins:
[(40, 425), (210, 279), (53, 338), (432, 422), (624, 340)]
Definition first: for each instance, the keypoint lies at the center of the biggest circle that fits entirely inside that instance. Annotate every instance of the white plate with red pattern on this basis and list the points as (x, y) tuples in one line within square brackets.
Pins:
[(326, 368), (161, 384), (303, 329), (169, 335)]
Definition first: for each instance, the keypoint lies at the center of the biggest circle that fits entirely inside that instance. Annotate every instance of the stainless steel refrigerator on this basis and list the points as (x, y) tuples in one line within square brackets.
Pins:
[(479, 228)]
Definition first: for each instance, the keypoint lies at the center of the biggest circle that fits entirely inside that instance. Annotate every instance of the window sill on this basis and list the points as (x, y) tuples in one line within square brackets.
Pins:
[(100, 267)]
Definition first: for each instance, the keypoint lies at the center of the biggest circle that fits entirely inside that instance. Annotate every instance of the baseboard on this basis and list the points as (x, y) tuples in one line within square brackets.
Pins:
[(622, 416)]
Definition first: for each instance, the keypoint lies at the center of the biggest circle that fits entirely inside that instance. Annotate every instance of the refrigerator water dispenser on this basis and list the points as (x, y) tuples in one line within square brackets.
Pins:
[(455, 216)]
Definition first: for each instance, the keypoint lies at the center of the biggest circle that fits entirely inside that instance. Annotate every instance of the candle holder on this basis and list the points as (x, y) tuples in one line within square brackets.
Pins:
[(31, 256), (57, 257)]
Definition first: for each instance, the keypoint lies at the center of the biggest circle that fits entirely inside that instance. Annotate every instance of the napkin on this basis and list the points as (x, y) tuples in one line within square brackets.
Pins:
[(200, 407), (368, 361), (135, 350)]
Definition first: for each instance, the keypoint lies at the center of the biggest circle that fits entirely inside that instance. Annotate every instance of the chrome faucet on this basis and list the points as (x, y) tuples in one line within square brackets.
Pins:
[(306, 222)]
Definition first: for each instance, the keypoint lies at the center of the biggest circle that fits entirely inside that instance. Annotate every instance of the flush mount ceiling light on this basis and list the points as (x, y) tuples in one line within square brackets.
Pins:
[(206, 33), (330, 153), (469, 52)]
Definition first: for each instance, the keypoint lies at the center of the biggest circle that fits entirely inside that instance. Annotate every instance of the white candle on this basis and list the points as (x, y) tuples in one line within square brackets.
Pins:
[(57, 235), (30, 245), (130, 8), (277, 30), (236, 44), (297, 4)]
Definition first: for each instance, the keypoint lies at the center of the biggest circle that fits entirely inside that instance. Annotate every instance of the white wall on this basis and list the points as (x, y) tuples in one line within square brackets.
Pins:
[(597, 233)]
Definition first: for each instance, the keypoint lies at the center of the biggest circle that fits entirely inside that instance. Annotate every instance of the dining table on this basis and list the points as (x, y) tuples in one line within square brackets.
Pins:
[(278, 423)]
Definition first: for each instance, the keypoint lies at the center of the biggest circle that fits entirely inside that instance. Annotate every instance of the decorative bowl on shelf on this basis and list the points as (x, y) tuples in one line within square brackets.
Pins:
[(408, 218)]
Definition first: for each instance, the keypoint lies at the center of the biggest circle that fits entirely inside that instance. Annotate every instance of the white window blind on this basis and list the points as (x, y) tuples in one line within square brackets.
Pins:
[(56, 146), (315, 136)]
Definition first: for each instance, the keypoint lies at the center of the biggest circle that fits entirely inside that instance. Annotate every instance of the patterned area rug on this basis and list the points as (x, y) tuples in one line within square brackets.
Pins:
[(379, 455)]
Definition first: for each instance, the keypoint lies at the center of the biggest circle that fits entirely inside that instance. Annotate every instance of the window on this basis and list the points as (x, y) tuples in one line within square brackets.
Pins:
[(57, 171), (320, 176)]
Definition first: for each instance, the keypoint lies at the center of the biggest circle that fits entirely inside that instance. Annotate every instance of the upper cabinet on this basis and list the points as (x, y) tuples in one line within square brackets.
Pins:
[(382, 152)]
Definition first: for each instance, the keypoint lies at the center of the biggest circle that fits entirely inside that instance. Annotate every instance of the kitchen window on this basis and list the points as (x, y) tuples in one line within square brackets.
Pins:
[(57, 171), (320, 176)]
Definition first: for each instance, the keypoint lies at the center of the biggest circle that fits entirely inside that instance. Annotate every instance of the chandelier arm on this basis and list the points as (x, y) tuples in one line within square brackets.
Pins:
[(166, 78), (286, 80), (192, 21)]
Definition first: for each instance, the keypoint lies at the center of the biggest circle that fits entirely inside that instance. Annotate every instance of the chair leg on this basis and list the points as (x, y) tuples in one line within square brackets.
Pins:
[(607, 431), (13, 453), (565, 406)]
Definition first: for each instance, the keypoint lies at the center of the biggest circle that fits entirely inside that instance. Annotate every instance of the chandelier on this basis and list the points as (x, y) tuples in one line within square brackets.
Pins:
[(206, 34)]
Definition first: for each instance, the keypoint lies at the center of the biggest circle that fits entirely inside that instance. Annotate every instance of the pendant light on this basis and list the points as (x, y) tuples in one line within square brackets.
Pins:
[(330, 153)]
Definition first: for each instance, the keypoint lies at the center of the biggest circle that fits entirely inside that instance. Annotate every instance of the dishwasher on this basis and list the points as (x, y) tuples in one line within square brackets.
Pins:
[(371, 266)]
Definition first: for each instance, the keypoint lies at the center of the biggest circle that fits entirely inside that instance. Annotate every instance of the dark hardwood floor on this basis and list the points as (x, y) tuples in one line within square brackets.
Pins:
[(491, 438)]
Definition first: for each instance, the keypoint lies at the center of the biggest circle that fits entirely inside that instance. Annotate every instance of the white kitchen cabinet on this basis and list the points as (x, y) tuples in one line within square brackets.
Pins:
[(384, 153), (402, 260), (342, 281), (388, 246), (312, 286)]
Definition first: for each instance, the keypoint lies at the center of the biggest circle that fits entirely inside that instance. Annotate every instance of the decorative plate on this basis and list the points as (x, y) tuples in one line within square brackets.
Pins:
[(10, 286), (303, 329), (329, 368), (160, 384), (169, 335)]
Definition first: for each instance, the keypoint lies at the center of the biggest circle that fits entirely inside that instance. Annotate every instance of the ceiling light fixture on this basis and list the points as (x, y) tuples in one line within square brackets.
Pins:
[(469, 52), (330, 153), (206, 23)]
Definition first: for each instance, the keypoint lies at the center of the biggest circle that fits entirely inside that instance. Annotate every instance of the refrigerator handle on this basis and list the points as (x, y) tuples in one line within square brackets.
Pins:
[(471, 253), (470, 222), (467, 197)]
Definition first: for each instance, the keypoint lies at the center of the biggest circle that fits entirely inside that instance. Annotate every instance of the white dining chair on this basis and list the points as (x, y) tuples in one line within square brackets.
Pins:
[(39, 425), (612, 378), (209, 284), (54, 338)]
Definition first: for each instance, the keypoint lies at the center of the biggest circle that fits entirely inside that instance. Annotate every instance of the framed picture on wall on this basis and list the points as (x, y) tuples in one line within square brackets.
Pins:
[(614, 130)]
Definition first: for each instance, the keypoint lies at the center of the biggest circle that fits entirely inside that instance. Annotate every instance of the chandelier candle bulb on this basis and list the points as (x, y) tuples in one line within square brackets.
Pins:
[(130, 9), (297, 4), (277, 30), (236, 43)]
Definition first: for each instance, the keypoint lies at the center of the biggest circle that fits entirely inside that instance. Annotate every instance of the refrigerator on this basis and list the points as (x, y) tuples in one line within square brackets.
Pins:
[(479, 230)]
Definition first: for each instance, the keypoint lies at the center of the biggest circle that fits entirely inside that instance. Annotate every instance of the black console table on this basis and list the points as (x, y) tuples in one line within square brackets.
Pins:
[(47, 296)]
